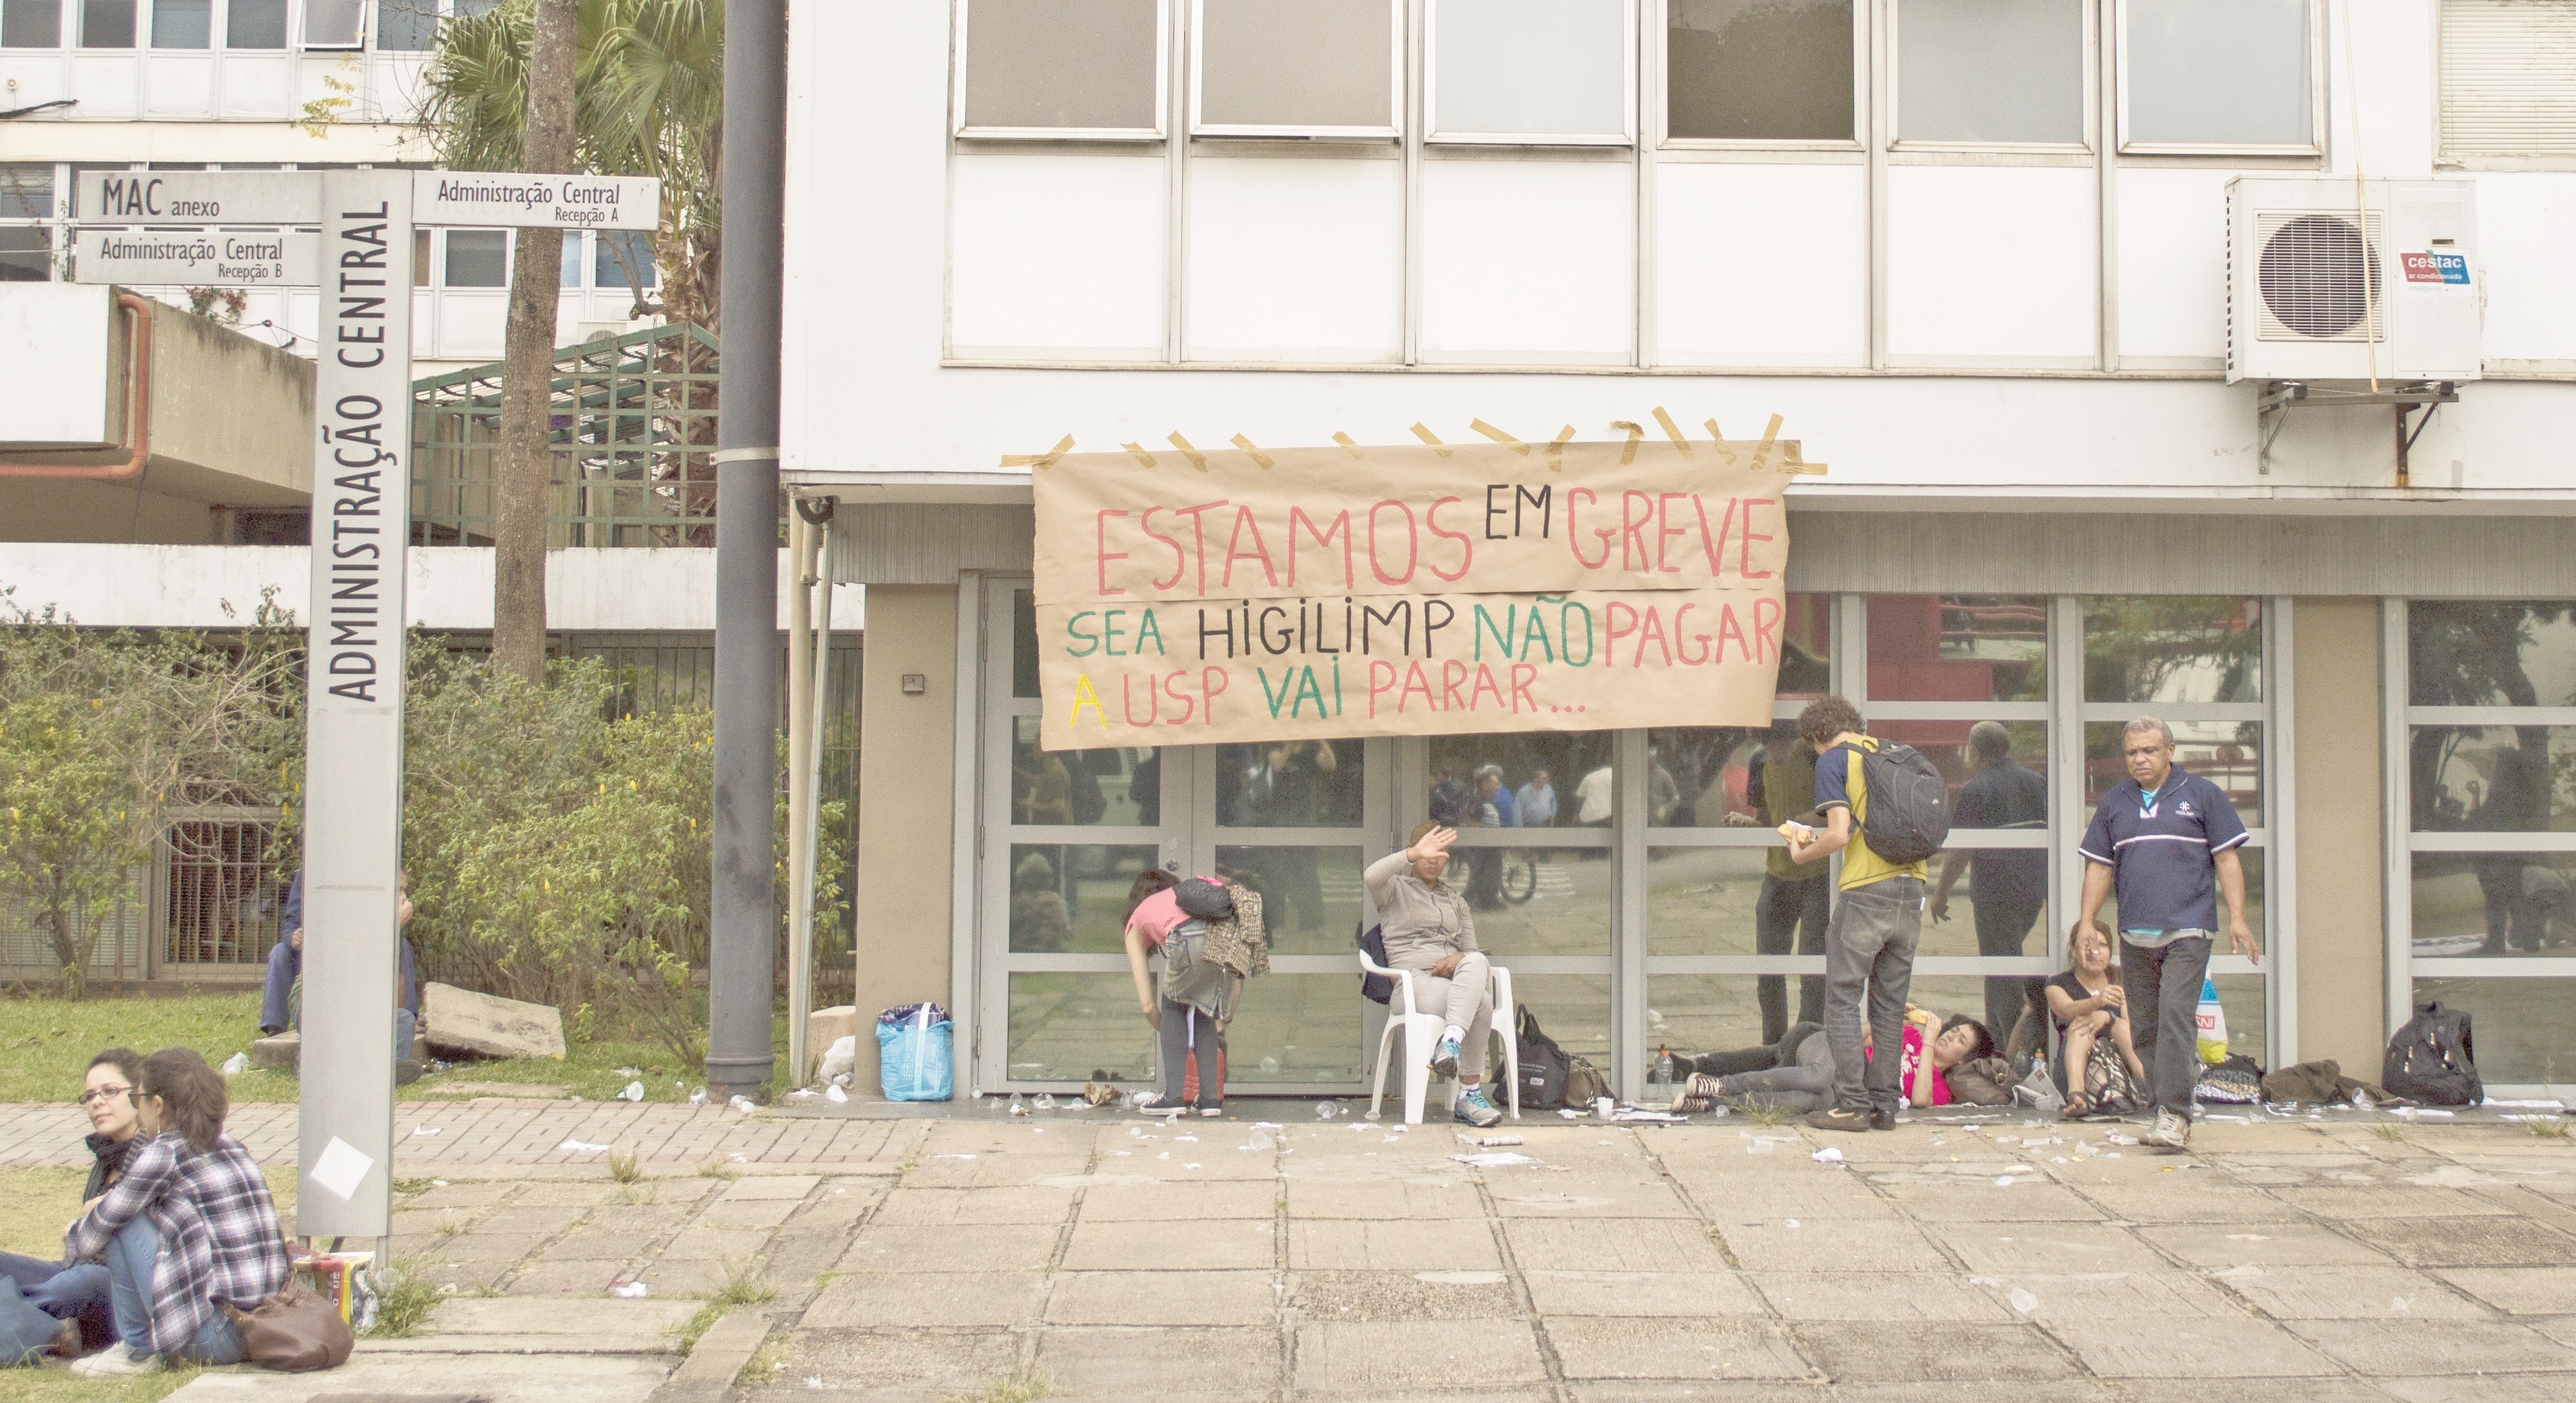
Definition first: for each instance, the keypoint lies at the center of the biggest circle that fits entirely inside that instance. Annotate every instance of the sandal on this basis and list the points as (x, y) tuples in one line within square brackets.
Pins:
[(2077, 1107)]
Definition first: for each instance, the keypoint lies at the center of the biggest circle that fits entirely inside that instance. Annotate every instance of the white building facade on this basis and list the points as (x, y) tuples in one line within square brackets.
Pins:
[(1976, 256)]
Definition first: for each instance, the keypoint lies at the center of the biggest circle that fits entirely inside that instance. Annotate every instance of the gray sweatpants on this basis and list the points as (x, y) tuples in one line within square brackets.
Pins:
[(1801, 1086), (1869, 951), (1185, 1026), (1465, 998)]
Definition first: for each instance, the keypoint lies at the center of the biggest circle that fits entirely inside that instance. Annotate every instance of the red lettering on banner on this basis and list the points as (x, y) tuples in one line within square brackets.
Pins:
[(1100, 542), (1485, 684), (1522, 675), (1571, 543), (1153, 699), (1728, 626), (1683, 658), (1412, 543), (1466, 548), (1632, 528), (1745, 552), (1617, 631), (1653, 632), (1172, 685), (1381, 677), (1452, 673), (1664, 533), (1765, 647), (1243, 521), (1713, 545), (1198, 533), (1212, 685), (1180, 561), (1415, 681), (1341, 527)]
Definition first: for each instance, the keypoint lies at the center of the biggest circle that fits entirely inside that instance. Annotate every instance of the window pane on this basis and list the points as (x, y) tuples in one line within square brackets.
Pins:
[(406, 26), (183, 24), (1318, 63), (27, 191), (572, 258), (468, 9), (1691, 1014), (420, 258), (1294, 1028), (1071, 898), (1720, 775), (1060, 63), (2228, 754), (1290, 784), (1760, 70), (1310, 897), (1566, 777), (1539, 66), (1722, 901), (1574, 1009), (255, 24), (2220, 72), (2526, 1028), (478, 258), (26, 254), (1115, 785), (1958, 647), (2487, 653), (79, 172), (1990, 70), (1064, 1027), (2494, 779), (332, 22), (634, 247), (31, 24), (107, 24), (2494, 904), (2173, 648)]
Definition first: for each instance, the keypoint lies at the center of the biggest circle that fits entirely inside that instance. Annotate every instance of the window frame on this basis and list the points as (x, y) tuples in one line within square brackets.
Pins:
[(224, 31), (2317, 110), (1398, 50), (1658, 55), (957, 77), (1434, 134), (300, 31), (2089, 66)]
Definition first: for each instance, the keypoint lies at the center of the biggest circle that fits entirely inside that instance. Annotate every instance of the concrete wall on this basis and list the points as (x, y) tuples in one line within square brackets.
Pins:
[(2341, 883), (907, 750)]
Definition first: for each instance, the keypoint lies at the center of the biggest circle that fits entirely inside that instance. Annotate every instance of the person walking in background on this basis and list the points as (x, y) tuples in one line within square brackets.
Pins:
[(1795, 903), (2167, 840), (1535, 802), (1492, 806), (2008, 885), (1869, 944), (1429, 932)]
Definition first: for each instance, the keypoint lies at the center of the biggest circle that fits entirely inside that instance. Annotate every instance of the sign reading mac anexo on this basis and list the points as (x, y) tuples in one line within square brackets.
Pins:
[(1300, 593)]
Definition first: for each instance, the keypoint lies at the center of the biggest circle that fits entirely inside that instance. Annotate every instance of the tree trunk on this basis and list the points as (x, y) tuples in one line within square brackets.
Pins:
[(527, 399)]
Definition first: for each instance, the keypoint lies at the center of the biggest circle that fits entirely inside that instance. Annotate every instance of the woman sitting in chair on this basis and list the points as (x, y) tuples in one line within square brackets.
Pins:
[(1429, 933)]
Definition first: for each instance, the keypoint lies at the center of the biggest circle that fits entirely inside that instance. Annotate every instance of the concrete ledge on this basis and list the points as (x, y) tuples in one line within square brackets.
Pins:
[(720, 1354)]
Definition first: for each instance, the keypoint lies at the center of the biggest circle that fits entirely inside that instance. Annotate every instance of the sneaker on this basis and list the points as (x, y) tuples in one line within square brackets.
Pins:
[(1152, 1103), (2172, 1132), (1444, 1058), (115, 1362), (1882, 1119), (1699, 1095), (1836, 1118), (1211, 1111), (1475, 1110)]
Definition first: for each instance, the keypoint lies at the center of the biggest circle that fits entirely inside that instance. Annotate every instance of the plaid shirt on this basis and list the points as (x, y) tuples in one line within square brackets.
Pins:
[(219, 1234)]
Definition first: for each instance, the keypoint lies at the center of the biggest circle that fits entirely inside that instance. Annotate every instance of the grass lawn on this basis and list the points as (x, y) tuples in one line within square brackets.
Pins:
[(46, 1042)]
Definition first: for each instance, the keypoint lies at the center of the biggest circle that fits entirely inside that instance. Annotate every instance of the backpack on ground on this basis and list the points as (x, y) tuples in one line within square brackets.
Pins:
[(1584, 1083), (1909, 804), (2432, 1059), (1543, 1065)]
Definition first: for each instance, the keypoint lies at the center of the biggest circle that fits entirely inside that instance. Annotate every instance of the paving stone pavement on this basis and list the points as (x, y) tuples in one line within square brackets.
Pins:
[(2280, 1261)]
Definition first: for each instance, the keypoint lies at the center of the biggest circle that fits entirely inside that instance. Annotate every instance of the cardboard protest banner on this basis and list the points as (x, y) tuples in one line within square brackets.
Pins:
[(1206, 596)]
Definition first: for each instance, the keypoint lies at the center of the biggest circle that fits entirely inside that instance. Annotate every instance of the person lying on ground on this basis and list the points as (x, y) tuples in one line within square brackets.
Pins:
[(1783, 1053), (186, 1229), (2090, 1007), (1808, 1082), (76, 1293), (1430, 934)]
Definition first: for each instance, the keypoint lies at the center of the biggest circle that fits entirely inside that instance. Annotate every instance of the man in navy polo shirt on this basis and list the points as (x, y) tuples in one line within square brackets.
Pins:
[(2168, 840)]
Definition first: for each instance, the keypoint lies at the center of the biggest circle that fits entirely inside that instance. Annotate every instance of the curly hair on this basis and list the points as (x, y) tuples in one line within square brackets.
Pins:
[(1826, 718)]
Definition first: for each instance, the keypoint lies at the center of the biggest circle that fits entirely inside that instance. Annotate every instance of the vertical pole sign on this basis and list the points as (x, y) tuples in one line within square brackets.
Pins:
[(193, 229)]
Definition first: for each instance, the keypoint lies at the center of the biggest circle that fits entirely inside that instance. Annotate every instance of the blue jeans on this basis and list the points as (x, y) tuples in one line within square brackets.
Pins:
[(131, 1256), (404, 1027), (65, 1293)]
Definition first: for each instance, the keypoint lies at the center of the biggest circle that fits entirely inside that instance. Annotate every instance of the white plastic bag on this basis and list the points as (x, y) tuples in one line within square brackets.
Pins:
[(843, 1054)]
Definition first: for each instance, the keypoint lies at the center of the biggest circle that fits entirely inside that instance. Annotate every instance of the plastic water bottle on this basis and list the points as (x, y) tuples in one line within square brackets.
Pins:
[(1661, 1078)]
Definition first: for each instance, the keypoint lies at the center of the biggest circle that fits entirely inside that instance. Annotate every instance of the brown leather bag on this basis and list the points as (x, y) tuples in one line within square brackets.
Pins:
[(293, 1331)]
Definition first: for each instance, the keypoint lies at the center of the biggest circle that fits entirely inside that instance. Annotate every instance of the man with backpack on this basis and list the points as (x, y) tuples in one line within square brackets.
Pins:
[(1886, 810), (2167, 840)]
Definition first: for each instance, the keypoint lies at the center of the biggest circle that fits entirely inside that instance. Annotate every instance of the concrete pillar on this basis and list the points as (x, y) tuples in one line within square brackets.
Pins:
[(2342, 931), (907, 784)]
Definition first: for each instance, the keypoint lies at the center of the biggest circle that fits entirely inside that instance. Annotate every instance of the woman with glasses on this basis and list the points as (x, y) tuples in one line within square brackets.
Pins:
[(75, 1295), (185, 1230)]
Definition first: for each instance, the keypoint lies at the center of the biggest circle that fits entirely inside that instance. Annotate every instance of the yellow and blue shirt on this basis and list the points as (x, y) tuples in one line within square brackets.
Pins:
[(1840, 784)]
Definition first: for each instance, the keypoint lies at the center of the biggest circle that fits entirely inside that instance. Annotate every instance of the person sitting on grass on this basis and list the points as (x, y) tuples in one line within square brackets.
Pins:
[(1807, 1082), (186, 1229), (2090, 1008), (281, 1003), (75, 1294)]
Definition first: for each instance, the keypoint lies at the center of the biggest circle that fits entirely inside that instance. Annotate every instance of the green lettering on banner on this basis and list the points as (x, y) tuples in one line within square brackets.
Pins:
[(1503, 636)]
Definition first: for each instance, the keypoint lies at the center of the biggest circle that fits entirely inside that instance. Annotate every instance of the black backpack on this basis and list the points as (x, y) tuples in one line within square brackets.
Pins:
[(1909, 804), (2431, 1059), (1544, 1065), (1377, 988)]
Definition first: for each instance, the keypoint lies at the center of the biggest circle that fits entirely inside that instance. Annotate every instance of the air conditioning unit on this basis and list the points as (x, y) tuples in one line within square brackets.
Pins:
[(2327, 284)]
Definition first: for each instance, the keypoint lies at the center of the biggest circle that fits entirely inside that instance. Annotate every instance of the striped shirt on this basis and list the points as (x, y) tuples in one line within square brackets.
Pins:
[(219, 1233), (2160, 852)]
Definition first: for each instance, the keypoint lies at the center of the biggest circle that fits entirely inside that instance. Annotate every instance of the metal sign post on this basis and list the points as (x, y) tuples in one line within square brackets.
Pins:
[(360, 260)]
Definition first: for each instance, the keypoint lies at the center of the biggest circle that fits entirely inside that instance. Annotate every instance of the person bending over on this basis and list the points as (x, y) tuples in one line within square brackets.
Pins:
[(1429, 933), (185, 1230)]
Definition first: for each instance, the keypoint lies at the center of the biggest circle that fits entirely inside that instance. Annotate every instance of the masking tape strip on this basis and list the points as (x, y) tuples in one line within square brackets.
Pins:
[(1498, 436), (1348, 443), (1720, 435), (1672, 431), (1039, 461), (1789, 451), (1770, 435), (1258, 456), (1636, 431), (1556, 450), (1141, 455), (1430, 438), (1197, 459)]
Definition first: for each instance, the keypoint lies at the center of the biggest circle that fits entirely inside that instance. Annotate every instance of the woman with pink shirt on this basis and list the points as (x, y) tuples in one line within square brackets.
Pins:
[(1154, 919)]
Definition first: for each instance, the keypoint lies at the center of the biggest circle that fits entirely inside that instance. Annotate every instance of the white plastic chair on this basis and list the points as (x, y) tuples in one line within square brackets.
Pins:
[(1422, 1038)]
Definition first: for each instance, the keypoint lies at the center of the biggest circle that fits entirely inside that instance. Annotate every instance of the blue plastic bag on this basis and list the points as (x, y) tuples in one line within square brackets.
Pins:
[(914, 1056)]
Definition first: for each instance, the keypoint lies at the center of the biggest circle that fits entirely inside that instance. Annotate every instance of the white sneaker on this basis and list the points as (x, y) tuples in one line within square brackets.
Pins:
[(2172, 1132), (114, 1362)]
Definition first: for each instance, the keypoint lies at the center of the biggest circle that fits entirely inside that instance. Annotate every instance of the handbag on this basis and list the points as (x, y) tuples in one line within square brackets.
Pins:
[(293, 1331), (1543, 1064), (2108, 1084)]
